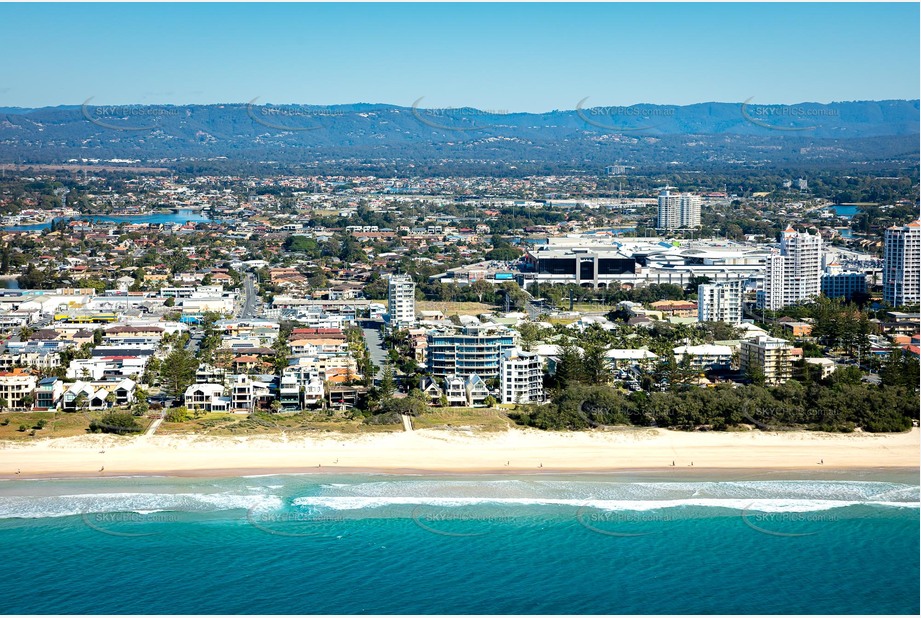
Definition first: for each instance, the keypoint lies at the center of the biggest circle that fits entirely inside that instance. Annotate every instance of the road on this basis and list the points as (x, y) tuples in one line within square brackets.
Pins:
[(194, 342), (248, 309), (375, 343), (533, 311)]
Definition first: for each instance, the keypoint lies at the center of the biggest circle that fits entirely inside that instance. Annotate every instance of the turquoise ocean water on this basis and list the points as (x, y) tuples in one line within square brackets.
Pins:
[(439, 544)]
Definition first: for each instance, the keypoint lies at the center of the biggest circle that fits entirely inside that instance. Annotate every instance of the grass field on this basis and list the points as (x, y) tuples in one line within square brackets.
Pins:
[(451, 308), (479, 419), (57, 425)]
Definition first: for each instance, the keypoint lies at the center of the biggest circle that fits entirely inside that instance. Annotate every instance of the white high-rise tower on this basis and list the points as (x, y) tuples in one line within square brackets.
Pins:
[(678, 210), (902, 264), (401, 301), (795, 274)]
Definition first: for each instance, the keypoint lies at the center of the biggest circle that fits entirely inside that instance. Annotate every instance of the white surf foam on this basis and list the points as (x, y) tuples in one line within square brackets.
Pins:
[(781, 505), (143, 503)]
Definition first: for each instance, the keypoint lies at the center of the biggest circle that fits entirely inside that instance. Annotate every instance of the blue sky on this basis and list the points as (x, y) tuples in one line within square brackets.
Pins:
[(514, 57)]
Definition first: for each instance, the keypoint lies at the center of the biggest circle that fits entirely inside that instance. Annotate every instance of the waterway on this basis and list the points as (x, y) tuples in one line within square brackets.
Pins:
[(180, 216)]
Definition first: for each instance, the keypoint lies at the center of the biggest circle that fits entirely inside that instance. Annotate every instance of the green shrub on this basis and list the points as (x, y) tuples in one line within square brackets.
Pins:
[(178, 415), (115, 422)]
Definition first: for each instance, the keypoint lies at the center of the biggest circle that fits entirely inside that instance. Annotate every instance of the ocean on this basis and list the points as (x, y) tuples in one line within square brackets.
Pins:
[(630, 543)]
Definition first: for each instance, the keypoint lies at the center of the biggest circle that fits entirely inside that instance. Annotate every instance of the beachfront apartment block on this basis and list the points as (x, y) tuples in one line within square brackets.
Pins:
[(473, 349), (401, 301), (769, 357), (720, 302), (902, 264), (521, 377), (14, 386), (678, 210), (792, 275)]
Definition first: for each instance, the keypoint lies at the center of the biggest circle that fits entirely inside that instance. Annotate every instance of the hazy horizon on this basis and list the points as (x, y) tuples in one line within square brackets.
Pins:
[(587, 105)]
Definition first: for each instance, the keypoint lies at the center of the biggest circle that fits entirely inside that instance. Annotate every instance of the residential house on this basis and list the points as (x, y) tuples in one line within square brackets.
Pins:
[(48, 393), (206, 397)]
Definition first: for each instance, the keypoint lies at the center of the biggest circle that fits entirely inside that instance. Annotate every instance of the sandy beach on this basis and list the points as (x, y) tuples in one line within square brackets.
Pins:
[(456, 452)]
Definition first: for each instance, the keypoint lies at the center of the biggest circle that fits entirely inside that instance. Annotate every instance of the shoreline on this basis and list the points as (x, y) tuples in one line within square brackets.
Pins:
[(669, 474), (436, 452)]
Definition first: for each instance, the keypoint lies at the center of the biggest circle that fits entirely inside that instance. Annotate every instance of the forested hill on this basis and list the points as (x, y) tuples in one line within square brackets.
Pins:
[(704, 136)]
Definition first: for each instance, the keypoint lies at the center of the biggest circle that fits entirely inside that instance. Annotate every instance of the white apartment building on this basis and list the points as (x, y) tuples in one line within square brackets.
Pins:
[(14, 385), (689, 211), (521, 377), (794, 275), (678, 210), (720, 302), (902, 264), (401, 301), (705, 357)]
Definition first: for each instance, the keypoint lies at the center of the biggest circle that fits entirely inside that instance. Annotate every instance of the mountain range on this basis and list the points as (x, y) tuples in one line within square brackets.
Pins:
[(704, 136)]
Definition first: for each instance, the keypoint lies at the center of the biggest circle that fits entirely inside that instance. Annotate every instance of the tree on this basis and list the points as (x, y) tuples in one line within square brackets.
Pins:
[(504, 254), (900, 369), (4, 403), (388, 385), (569, 366), (27, 401), (115, 422), (141, 407), (530, 333), (595, 368), (481, 288), (302, 244), (178, 371)]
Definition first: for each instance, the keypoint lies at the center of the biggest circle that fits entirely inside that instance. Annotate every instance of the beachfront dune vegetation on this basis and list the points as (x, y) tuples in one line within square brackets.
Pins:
[(115, 422), (839, 408)]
